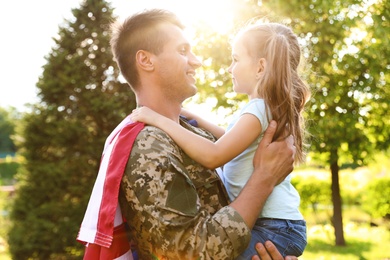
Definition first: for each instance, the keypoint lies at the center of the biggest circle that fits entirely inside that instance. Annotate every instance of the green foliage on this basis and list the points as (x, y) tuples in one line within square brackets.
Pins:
[(8, 170), (4, 218), (313, 192), (376, 200), (343, 43), (7, 130), (81, 103), (214, 81), (213, 48)]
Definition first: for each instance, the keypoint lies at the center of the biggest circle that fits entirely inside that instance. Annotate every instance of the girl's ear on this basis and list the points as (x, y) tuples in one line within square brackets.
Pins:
[(261, 65), (144, 60)]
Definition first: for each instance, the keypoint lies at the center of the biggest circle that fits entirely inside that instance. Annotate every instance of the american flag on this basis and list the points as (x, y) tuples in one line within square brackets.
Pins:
[(103, 227)]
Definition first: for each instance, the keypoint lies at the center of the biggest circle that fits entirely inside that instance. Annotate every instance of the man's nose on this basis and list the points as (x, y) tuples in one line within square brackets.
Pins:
[(194, 61)]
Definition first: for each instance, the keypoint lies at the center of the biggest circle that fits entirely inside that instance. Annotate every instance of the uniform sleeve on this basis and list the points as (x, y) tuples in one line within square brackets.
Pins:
[(164, 211)]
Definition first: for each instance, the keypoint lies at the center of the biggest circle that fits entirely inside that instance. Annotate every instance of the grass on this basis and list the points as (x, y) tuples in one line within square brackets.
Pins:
[(363, 243)]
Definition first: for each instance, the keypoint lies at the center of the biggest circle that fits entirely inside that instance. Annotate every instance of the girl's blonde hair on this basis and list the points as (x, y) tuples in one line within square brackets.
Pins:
[(281, 87)]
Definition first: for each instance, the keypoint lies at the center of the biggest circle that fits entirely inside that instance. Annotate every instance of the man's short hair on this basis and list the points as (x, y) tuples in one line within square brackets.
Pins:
[(140, 31)]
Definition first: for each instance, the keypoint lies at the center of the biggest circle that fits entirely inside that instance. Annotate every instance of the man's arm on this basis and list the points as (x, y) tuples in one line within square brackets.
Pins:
[(175, 208), (273, 161)]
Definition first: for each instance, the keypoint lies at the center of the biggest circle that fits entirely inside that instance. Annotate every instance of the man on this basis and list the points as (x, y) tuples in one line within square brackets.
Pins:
[(174, 207)]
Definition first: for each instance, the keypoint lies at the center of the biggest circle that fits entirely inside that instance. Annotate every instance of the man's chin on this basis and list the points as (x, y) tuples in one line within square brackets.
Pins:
[(192, 92), (195, 90)]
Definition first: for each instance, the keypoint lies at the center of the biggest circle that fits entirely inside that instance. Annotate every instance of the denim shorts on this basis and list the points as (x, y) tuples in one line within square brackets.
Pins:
[(289, 236)]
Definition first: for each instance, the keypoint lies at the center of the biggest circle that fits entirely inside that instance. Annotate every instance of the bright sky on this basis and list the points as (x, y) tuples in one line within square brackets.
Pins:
[(28, 28)]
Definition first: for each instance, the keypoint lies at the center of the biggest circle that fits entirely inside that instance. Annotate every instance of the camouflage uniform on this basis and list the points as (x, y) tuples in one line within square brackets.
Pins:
[(176, 208)]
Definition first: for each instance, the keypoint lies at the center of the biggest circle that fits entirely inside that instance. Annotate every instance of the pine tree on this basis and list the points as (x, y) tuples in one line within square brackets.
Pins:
[(82, 101)]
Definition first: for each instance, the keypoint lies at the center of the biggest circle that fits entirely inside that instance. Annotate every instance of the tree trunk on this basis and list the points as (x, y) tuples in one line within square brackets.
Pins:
[(336, 199)]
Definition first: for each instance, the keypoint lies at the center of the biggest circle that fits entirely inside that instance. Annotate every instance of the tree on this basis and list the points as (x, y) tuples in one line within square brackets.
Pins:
[(347, 87), (81, 103)]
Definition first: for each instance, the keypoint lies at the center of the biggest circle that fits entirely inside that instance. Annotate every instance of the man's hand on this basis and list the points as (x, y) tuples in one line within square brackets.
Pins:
[(275, 158), (268, 251)]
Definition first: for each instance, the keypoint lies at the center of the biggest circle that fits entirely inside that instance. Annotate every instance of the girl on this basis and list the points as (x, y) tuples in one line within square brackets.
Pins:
[(265, 63)]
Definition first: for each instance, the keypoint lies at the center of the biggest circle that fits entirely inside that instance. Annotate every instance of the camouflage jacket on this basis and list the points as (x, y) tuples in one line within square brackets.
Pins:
[(175, 207)]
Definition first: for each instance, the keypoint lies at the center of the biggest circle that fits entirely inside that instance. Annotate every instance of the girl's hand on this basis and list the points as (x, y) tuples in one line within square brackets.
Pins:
[(145, 115), (187, 114)]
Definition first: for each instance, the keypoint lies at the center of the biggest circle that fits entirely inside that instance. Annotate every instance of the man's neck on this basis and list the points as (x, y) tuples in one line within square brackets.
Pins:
[(162, 107), (151, 95)]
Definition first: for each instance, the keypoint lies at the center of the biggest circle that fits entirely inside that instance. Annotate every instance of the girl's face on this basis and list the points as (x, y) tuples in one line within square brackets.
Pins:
[(244, 69)]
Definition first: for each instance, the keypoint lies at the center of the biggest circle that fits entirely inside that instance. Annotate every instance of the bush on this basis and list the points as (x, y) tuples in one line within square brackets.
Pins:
[(376, 200), (313, 192), (8, 171)]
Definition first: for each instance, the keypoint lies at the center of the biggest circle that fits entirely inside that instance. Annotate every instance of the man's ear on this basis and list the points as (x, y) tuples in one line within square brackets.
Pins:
[(144, 60), (261, 65)]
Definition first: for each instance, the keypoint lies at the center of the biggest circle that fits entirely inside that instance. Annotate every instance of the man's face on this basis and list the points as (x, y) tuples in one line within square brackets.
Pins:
[(176, 64)]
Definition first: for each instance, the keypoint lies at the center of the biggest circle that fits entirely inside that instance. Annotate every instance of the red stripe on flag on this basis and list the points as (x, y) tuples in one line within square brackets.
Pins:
[(115, 169), (120, 246)]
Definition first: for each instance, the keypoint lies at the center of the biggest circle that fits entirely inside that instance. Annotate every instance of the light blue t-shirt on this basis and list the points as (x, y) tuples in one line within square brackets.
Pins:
[(283, 203)]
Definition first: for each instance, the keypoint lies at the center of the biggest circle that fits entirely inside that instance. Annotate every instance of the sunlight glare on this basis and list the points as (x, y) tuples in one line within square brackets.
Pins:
[(217, 14)]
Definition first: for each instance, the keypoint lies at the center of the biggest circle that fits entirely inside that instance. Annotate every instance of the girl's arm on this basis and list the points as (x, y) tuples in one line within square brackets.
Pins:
[(216, 130), (202, 150)]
